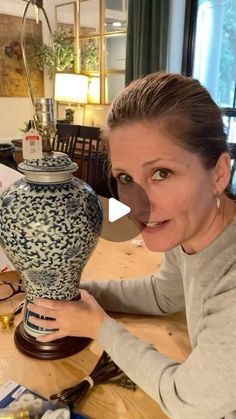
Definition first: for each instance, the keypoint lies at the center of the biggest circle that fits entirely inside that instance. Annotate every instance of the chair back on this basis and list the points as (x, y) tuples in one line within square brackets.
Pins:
[(92, 159), (84, 146), (65, 139)]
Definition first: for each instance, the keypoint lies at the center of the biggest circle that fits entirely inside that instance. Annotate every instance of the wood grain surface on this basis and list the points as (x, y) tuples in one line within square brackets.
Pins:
[(168, 334)]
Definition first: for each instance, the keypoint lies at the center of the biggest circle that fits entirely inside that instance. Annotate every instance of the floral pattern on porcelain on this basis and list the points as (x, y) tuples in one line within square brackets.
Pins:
[(54, 160), (48, 232), (50, 223)]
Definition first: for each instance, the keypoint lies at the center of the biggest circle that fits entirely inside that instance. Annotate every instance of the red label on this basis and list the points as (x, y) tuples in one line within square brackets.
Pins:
[(32, 137)]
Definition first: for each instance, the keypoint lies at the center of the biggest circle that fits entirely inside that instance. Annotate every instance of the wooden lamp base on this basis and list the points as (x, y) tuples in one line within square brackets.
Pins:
[(60, 348)]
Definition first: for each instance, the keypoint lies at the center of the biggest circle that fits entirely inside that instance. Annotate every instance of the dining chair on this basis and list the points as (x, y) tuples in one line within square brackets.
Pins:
[(65, 139), (91, 157)]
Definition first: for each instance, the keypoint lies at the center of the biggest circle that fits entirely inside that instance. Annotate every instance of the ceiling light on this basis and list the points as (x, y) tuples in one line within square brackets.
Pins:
[(116, 24)]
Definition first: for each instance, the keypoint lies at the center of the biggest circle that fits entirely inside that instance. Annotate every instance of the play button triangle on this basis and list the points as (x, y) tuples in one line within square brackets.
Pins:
[(116, 210)]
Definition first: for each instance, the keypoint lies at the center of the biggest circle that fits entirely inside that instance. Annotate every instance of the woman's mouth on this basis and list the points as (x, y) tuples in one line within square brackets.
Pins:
[(152, 227), (153, 224), (149, 226)]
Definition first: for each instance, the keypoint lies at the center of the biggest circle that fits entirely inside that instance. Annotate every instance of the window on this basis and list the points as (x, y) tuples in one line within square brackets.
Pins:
[(210, 29), (210, 56)]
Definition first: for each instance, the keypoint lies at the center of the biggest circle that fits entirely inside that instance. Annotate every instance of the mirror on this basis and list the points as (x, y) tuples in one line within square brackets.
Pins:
[(89, 17), (114, 54), (113, 84), (116, 14), (102, 45), (89, 50), (65, 18), (66, 22)]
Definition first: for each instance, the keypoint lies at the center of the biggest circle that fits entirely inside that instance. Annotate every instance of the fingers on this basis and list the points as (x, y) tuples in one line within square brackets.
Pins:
[(83, 293), (85, 296), (51, 336), (47, 324), (46, 312), (45, 302)]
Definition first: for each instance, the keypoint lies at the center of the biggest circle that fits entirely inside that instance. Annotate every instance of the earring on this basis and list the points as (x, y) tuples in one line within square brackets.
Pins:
[(218, 202)]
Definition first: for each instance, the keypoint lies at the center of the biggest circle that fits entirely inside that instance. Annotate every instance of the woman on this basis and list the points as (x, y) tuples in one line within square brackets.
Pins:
[(165, 134)]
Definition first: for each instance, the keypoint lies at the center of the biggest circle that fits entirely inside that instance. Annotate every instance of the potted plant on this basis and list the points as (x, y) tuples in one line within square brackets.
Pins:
[(57, 57)]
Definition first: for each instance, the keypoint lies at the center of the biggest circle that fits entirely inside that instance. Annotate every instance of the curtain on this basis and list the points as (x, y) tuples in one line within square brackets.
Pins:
[(147, 37)]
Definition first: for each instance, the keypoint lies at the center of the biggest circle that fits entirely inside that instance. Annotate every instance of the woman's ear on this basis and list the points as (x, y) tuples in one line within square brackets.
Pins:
[(222, 172)]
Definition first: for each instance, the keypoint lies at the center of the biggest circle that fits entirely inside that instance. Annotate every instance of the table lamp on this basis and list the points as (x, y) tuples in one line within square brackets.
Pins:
[(71, 88), (50, 221)]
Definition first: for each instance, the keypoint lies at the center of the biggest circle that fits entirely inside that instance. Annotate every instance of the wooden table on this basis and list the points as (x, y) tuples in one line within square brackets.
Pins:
[(106, 401)]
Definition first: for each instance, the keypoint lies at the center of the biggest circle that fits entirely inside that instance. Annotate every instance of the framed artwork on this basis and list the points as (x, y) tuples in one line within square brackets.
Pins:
[(13, 81)]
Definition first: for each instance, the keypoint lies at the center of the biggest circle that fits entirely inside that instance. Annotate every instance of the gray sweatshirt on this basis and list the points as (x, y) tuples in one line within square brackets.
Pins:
[(204, 386)]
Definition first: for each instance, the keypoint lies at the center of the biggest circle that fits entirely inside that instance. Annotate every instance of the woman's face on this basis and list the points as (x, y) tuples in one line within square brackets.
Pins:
[(180, 190)]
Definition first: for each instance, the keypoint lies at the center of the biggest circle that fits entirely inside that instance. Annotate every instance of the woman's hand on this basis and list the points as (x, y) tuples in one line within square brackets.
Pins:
[(71, 318)]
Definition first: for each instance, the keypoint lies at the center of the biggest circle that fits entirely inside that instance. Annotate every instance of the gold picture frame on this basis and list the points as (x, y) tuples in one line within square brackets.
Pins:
[(13, 81)]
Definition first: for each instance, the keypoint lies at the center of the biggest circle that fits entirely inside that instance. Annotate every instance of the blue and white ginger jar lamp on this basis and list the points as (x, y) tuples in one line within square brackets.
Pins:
[(50, 223)]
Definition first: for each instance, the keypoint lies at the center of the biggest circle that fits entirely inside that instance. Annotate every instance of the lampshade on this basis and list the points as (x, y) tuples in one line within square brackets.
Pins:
[(71, 88)]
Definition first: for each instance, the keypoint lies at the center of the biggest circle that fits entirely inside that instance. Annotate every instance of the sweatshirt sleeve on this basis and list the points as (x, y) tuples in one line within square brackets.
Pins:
[(158, 294), (202, 387)]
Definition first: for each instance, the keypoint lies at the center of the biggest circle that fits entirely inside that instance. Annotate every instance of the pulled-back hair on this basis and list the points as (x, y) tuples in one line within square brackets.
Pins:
[(181, 104)]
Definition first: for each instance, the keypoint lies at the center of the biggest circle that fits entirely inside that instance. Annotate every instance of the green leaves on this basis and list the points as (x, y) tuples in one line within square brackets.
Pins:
[(89, 55), (57, 57)]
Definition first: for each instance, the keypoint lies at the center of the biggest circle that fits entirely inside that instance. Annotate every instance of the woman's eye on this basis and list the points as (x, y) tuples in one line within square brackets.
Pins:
[(124, 179), (161, 174)]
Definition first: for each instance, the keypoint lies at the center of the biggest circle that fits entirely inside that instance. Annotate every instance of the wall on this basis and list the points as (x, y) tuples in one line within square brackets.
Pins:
[(15, 111)]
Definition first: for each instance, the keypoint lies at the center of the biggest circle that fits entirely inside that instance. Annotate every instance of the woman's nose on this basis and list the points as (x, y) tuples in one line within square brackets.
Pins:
[(144, 210), (139, 201)]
